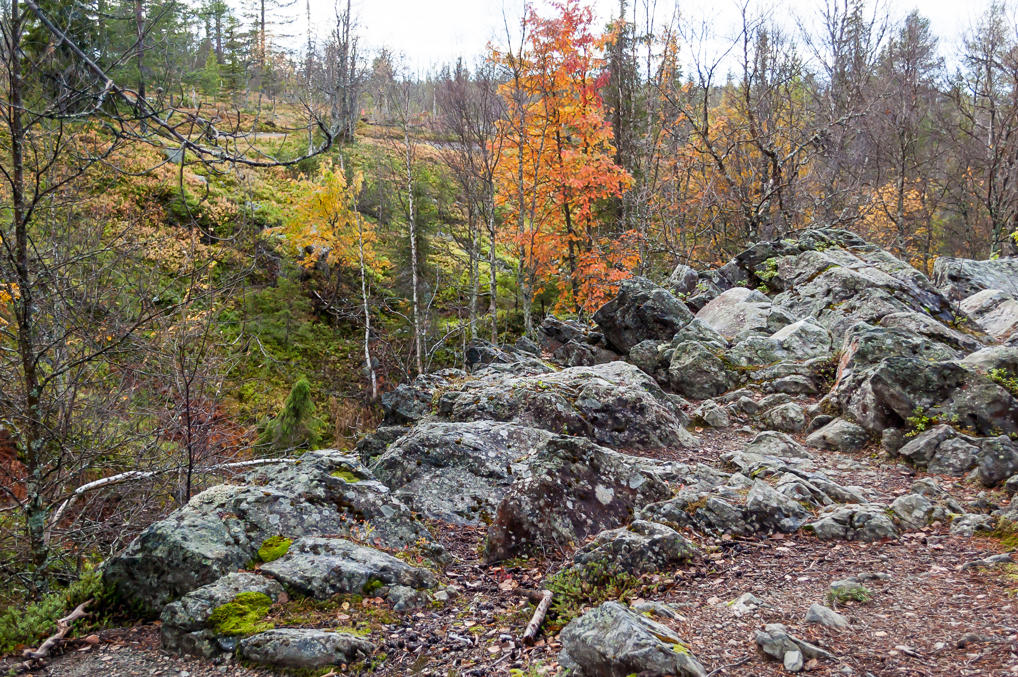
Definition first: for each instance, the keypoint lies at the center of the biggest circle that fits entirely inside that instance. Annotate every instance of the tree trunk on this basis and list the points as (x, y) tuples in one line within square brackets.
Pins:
[(418, 340), (368, 364)]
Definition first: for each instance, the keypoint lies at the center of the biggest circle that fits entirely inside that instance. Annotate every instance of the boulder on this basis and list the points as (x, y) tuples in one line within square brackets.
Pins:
[(998, 460), (575, 489), (961, 278), (683, 280), (995, 311), (993, 359), (697, 372), (640, 548), (916, 511), (614, 641), (457, 472), (821, 615), (775, 641), (641, 310), (299, 648), (778, 444), (922, 325), (860, 522), (222, 529), (322, 567), (900, 388), (410, 402), (941, 448), (711, 414), (615, 404), (839, 435), (739, 310), (803, 339), (185, 624), (482, 354), (788, 417)]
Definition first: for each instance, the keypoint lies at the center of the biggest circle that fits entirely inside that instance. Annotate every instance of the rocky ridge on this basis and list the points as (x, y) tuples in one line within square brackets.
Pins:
[(587, 452)]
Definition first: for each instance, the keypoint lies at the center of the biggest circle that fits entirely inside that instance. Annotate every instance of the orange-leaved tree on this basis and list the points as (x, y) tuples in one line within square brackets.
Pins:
[(556, 168)]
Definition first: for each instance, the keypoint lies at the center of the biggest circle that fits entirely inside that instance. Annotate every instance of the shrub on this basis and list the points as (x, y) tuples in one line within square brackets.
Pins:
[(24, 626)]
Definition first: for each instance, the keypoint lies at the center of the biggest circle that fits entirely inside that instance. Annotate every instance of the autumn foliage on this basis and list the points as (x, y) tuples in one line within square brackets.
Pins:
[(557, 169)]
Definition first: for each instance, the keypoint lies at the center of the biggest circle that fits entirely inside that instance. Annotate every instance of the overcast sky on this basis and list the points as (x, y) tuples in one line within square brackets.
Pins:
[(430, 33)]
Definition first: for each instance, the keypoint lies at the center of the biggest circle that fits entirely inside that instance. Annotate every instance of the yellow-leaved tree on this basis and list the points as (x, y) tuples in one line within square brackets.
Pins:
[(325, 224)]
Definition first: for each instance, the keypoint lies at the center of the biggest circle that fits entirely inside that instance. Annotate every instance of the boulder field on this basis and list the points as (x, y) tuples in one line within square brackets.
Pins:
[(721, 407)]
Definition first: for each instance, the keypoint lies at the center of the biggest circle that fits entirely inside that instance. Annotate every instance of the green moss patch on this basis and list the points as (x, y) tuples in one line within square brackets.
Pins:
[(243, 616), (273, 548), (346, 475)]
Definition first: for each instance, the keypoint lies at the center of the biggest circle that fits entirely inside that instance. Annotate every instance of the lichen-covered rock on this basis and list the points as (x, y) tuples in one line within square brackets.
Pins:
[(640, 548), (641, 310), (697, 372), (916, 511), (821, 615), (995, 311), (901, 387), (322, 567), (860, 522), (740, 310), (710, 413), (613, 641), (943, 448), (185, 624), (775, 641), (921, 325), (481, 354), (221, 529), (788, 417), (457, 472), (575, 489), (683, 280), (839, 435), (410, 402), (803, 339), (615, 404), (998, 460), (304, 648), (961, 278), (777, 444)]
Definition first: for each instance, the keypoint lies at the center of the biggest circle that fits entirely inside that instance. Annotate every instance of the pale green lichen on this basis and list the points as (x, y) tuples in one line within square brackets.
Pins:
[(242, 616), (273, 548)]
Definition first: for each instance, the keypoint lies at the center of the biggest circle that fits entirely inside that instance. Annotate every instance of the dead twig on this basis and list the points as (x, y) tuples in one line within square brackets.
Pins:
[(717, 671), (538, 618), (34, 656)]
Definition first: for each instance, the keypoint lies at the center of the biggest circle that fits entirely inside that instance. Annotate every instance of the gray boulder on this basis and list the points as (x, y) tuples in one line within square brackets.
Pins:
[(615, 404), (803, 339), (221, 529), (640, 548), (995, 311), (304, 648), (777, 444), (185, 624), (641, 310), (613, 641), (941, 448), (915, 511), (839, 435), (788, 417), (710, 413), (697, 372), (859, 522), (961, 278), (410, 402), (775, 641), (739, 310), (683, 280), (322, 567), (820, 615), (575, 489), (998, 460), (457, 472)]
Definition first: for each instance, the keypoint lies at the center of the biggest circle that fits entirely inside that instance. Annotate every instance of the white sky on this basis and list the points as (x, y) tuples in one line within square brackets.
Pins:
[(430, 33)]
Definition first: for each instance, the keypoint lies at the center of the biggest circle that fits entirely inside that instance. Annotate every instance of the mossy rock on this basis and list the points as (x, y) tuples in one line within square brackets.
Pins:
[(346, 475), (243, 616), (273, 548)]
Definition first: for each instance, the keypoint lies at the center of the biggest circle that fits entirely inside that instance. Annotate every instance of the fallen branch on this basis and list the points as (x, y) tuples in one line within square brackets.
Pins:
[(741, 661), (33, 656), (138, 475), (538, 618)]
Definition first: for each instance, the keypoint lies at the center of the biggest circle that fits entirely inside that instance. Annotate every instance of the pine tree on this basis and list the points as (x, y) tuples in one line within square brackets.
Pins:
[(296, 426)]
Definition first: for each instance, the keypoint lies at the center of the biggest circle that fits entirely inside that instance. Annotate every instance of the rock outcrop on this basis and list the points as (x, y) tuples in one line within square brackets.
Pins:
[(554, 447)]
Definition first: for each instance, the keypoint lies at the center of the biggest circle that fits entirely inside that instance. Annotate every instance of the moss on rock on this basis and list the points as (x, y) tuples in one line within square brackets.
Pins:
[(273, 548), (242, 616)]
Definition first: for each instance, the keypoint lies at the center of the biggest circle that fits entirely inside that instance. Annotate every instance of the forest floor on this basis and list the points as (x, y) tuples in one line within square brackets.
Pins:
[(929, 614)]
